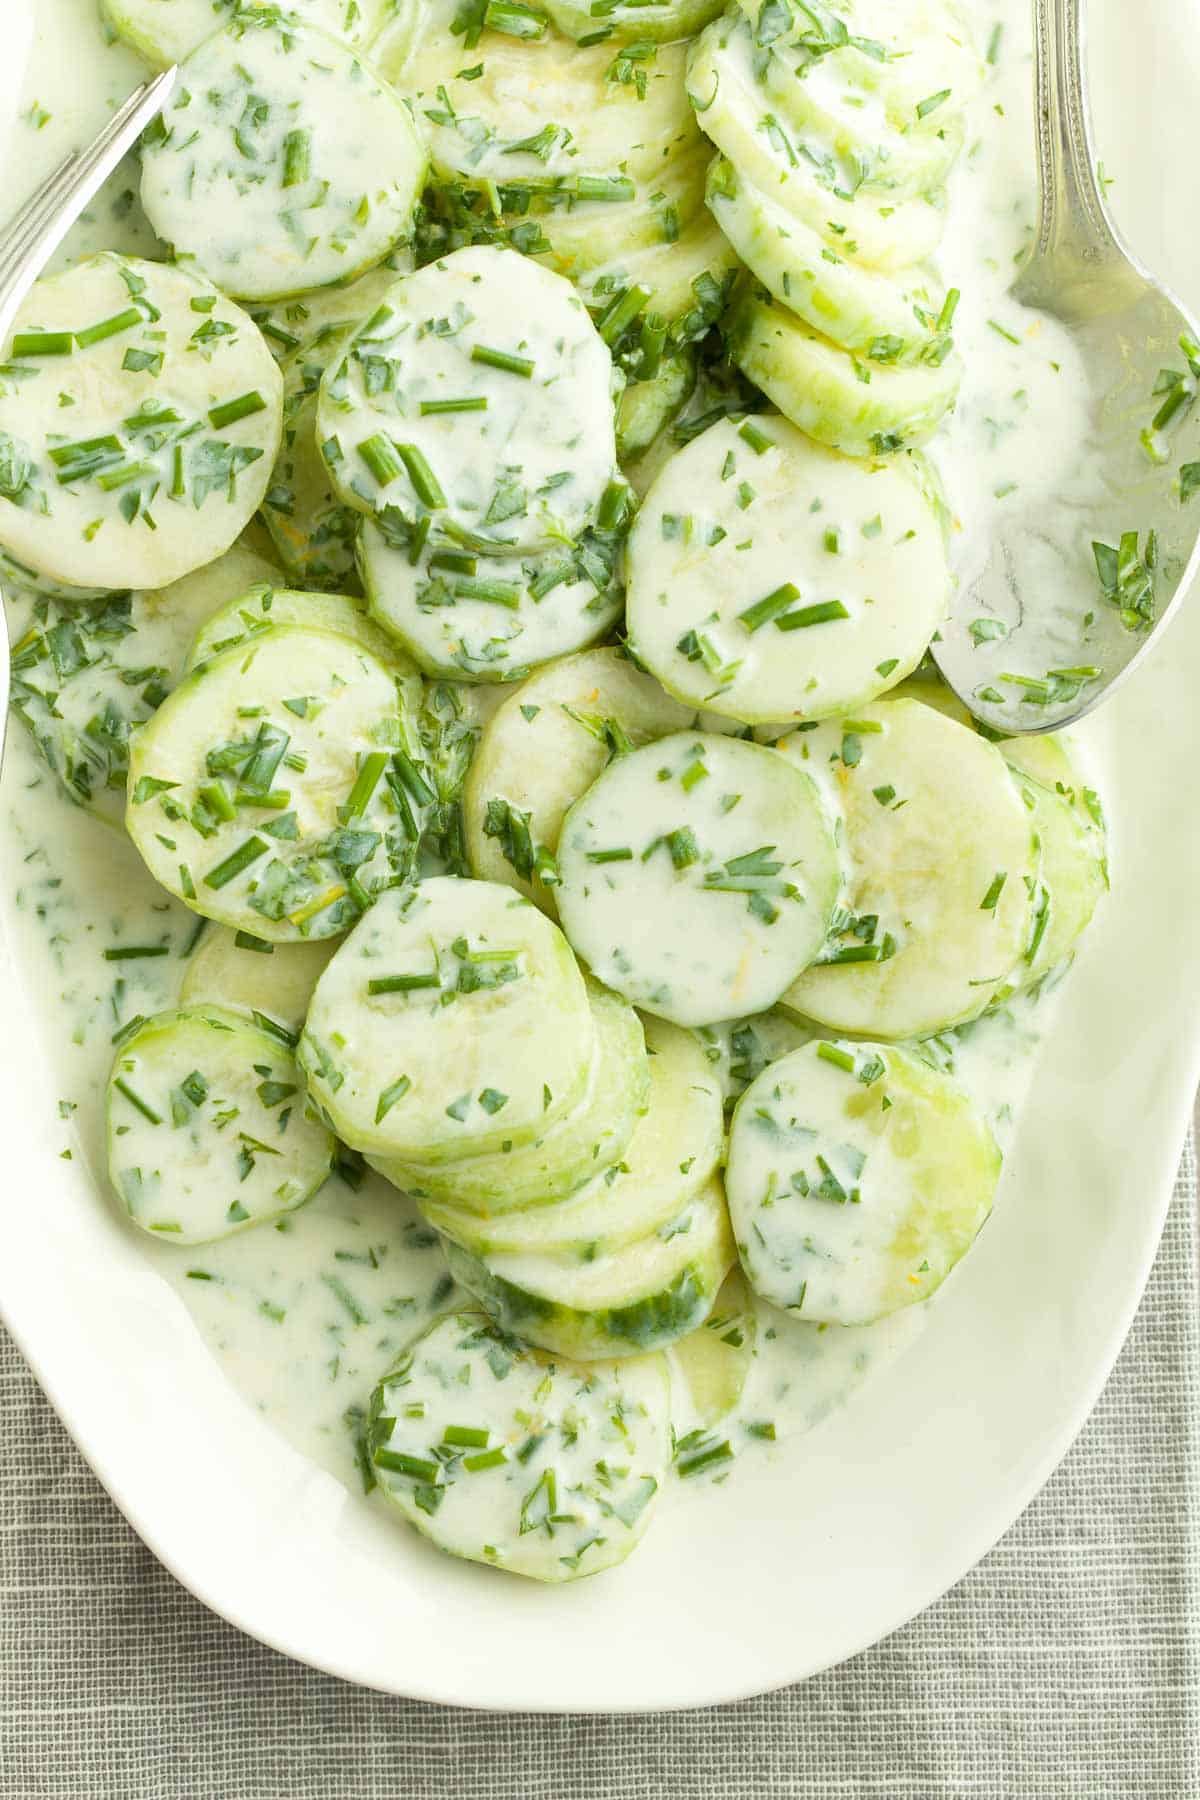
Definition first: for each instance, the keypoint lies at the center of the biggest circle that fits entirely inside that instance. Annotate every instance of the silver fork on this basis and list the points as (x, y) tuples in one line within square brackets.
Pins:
[(31, 237)]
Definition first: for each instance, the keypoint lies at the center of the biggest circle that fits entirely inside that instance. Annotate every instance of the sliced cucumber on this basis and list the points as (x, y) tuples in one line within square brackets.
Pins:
[(585, 233), (637, 22), (478, 1034), (1071, 879), (139, 418), (871, 135), (858, 1177), (248, 975), (771, 578), (252, 175), (1048, 760), (821, 387), (544, 748), (669, 276), (623, 1304), (272, 792), (246, 615), (165, 31), (503, 1457), (593, 1135), (713, 1364), (886, 317), (673, 1153), (209, 1131), (493, 617), (646, 407), (937, 913), (904, 50), (535, 111), (479, 394), (303, 324), (694, 880), (312, 530), (84, 676), (735, 113)]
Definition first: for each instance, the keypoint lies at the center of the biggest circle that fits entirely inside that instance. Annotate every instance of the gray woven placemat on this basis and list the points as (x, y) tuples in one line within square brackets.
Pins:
[(1066, 1667)]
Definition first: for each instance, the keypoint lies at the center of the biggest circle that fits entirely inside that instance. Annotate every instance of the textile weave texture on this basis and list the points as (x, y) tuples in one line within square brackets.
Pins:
[(1065, 1667)]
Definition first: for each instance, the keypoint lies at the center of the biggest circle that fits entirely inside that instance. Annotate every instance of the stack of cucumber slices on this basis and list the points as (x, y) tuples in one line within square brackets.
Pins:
[(577, 832)]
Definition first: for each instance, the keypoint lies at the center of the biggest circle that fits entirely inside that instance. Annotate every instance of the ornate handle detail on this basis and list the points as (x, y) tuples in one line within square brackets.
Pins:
[(1073, 224)]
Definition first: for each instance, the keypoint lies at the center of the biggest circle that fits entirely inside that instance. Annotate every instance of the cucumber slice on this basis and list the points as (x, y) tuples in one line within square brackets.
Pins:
[(246, 615), (670, 277), (736, 115), (632, 21), (492, 1054), (1071, 879), (303, 324), (740, 1049), (819, 386), (623, 1304), (174, 411), (312, 530), (503, 1457), (585, 233), (501, 423), (544, 748), (165, 31), (251, 173), (490, 617), (284, 823), (937, 913), (539, 113), (209, 1131), (84, 676), (905, 50), (1048, 760), (673, 1153), (713, 1364), (868, 133), (744, 601), (858, 1177), (248, 975), (890, 318), (694, 880), (647, 407), (593, 1135)]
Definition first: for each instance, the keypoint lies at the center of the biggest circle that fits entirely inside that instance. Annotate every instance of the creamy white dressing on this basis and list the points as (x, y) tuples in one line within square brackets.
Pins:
[(305, 1316)]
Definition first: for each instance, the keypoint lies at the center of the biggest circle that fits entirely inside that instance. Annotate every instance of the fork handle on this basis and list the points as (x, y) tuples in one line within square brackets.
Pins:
[(29, 243), (1075, 234)]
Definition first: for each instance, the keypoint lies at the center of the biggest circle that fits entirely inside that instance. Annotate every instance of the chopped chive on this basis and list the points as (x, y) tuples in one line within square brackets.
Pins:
[(753, 435), (995, 889), (425, 482), (132, 952), (402, 984), (621, 311), (135, 1099), (485, 1459), (931, 103), (841, 1059), (389, 1097), (414, 1466), (469, 403), (500, 593), (1009, 337), (297, 158), (774, 603), (106, 328), (236, 863), (468, 1437), (821, 614), (381, 457), (43, 343), (230, 411), (625, 854), (503, 359), (365, 783), (604, 187)]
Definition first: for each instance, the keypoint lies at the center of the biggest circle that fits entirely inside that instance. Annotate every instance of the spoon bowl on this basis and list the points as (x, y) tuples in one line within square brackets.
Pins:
[(1076, 584)]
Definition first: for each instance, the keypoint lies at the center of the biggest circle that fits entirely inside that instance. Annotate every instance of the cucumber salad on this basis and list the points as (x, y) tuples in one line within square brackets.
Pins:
[(547, 970)]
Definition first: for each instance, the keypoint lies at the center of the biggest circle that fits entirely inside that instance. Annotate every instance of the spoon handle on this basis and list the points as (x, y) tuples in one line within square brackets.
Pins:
[(1075, 239)]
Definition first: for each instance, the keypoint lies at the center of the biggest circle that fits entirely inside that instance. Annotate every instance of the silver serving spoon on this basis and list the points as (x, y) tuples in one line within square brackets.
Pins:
[(1077, 583), (30, 238)]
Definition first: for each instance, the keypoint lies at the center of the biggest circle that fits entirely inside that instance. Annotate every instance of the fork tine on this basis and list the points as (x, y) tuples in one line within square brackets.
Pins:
[(37, 231)]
